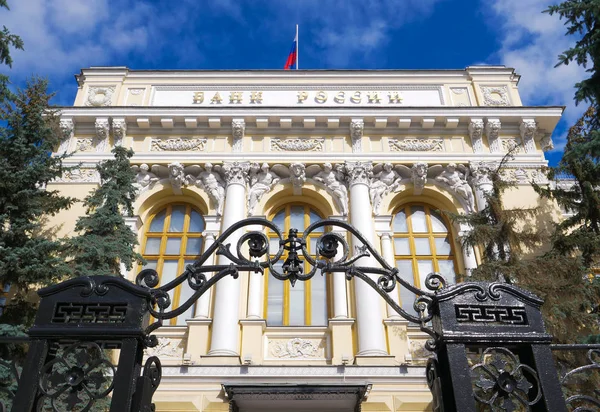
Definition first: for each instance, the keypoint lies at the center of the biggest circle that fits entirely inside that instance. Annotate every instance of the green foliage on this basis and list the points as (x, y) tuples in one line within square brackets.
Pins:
[(104, 241), (28, 255), (507, 240), (582, 19), (7, 41), (497, 231)]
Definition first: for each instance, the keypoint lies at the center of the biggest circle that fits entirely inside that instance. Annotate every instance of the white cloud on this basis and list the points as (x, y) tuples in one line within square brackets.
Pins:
[(531, 42)]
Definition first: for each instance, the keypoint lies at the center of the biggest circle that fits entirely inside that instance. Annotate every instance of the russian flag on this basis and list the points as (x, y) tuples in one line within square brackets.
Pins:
[(292, 60)]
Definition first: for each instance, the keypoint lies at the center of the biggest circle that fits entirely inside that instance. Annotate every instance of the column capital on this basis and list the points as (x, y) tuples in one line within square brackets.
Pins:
[(480, 174), (359, 172), (236, 173)]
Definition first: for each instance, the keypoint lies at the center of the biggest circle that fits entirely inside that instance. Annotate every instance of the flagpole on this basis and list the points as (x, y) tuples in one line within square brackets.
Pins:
[(297, 41)]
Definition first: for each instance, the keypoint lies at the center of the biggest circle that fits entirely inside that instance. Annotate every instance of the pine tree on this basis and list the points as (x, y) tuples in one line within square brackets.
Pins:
[(510, 245), (7, 41), (29, 257), (104, 241)]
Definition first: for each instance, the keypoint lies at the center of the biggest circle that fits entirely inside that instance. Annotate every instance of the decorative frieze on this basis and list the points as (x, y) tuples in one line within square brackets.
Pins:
[(297, 348), (476, 135), (178, 144), (297, 145), (100, 96), (238, 129), (513, 144), (80, 175), (166, 348), (84, 145), (357, 127), (416, 145), (495, 96)]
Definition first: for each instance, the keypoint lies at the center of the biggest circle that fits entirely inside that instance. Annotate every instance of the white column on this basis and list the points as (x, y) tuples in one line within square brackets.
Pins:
[(340, 301), (371, 336), (256, 288), (481, 182), (203, 304), (225, 331), (134, 223), (387, 251)]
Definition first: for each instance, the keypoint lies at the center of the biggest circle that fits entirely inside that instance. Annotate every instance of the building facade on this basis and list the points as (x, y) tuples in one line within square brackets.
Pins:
[(385, 151)]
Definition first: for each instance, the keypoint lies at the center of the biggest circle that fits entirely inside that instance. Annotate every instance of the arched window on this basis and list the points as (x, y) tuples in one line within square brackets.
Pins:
[(173, 240), (305, 303), (422, 244)]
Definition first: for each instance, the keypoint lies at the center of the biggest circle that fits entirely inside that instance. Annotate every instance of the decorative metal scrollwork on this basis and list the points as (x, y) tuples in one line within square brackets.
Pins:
[(383, 279), (501, 381), (581, 402), (76, 378)]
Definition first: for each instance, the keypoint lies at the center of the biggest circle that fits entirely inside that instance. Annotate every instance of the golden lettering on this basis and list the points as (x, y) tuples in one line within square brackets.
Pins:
[(198, 97), (256, 97), (321, 97), (395, 97), (302, 96), (235, 97), (216, 99), (373, 97), (340, 97), (356, 97)]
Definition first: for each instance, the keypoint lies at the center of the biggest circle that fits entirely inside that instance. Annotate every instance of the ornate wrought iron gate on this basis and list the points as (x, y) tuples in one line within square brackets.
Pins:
[(491, 348)]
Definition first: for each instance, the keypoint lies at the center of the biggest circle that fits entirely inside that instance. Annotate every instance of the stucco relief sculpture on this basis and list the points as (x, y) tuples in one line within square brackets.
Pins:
[(416, 145), (455, 178), (297, 145), (513, 145), (238, 128), (166, 348), (119, 127), (297, 348), (492, 131), (476, 135), (102, 128), (80, 175), (528, 130), (144, 179), (384, 180), (419, 177), (177, 176), (357, 127), (546, 142), (67, 127), (333, 181), (100, 96), (495, 96), (177, 145), (297, 174), (261, 182), (209, 180), (84, 145)]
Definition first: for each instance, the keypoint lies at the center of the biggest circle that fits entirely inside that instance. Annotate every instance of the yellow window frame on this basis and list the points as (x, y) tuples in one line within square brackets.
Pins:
[(287, 208), (164, 235)]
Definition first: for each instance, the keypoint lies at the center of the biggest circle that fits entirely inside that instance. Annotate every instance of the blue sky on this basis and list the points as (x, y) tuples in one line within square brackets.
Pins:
[(63, 36)]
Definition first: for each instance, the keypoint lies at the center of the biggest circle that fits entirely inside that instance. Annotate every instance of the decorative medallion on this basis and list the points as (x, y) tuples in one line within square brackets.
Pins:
[(416, 145), (297, 145), (100, 96), (495, 95)]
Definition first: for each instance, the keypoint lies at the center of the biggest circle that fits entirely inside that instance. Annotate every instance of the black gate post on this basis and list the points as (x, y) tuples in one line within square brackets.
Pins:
[(77, 321), (492, 350)]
